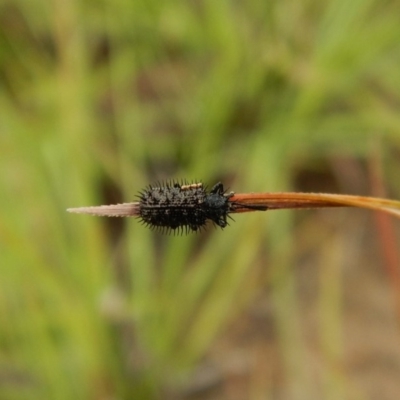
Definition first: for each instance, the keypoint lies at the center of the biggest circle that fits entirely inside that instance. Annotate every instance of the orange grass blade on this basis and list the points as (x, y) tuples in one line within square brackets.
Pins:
[(293, 200), (242, 202)]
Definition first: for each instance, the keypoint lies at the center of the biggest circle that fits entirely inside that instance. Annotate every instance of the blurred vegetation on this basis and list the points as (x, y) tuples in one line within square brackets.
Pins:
[(99, 99)]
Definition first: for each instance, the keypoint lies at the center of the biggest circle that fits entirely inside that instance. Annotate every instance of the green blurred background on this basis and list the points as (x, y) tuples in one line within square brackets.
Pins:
[(99, 99)]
